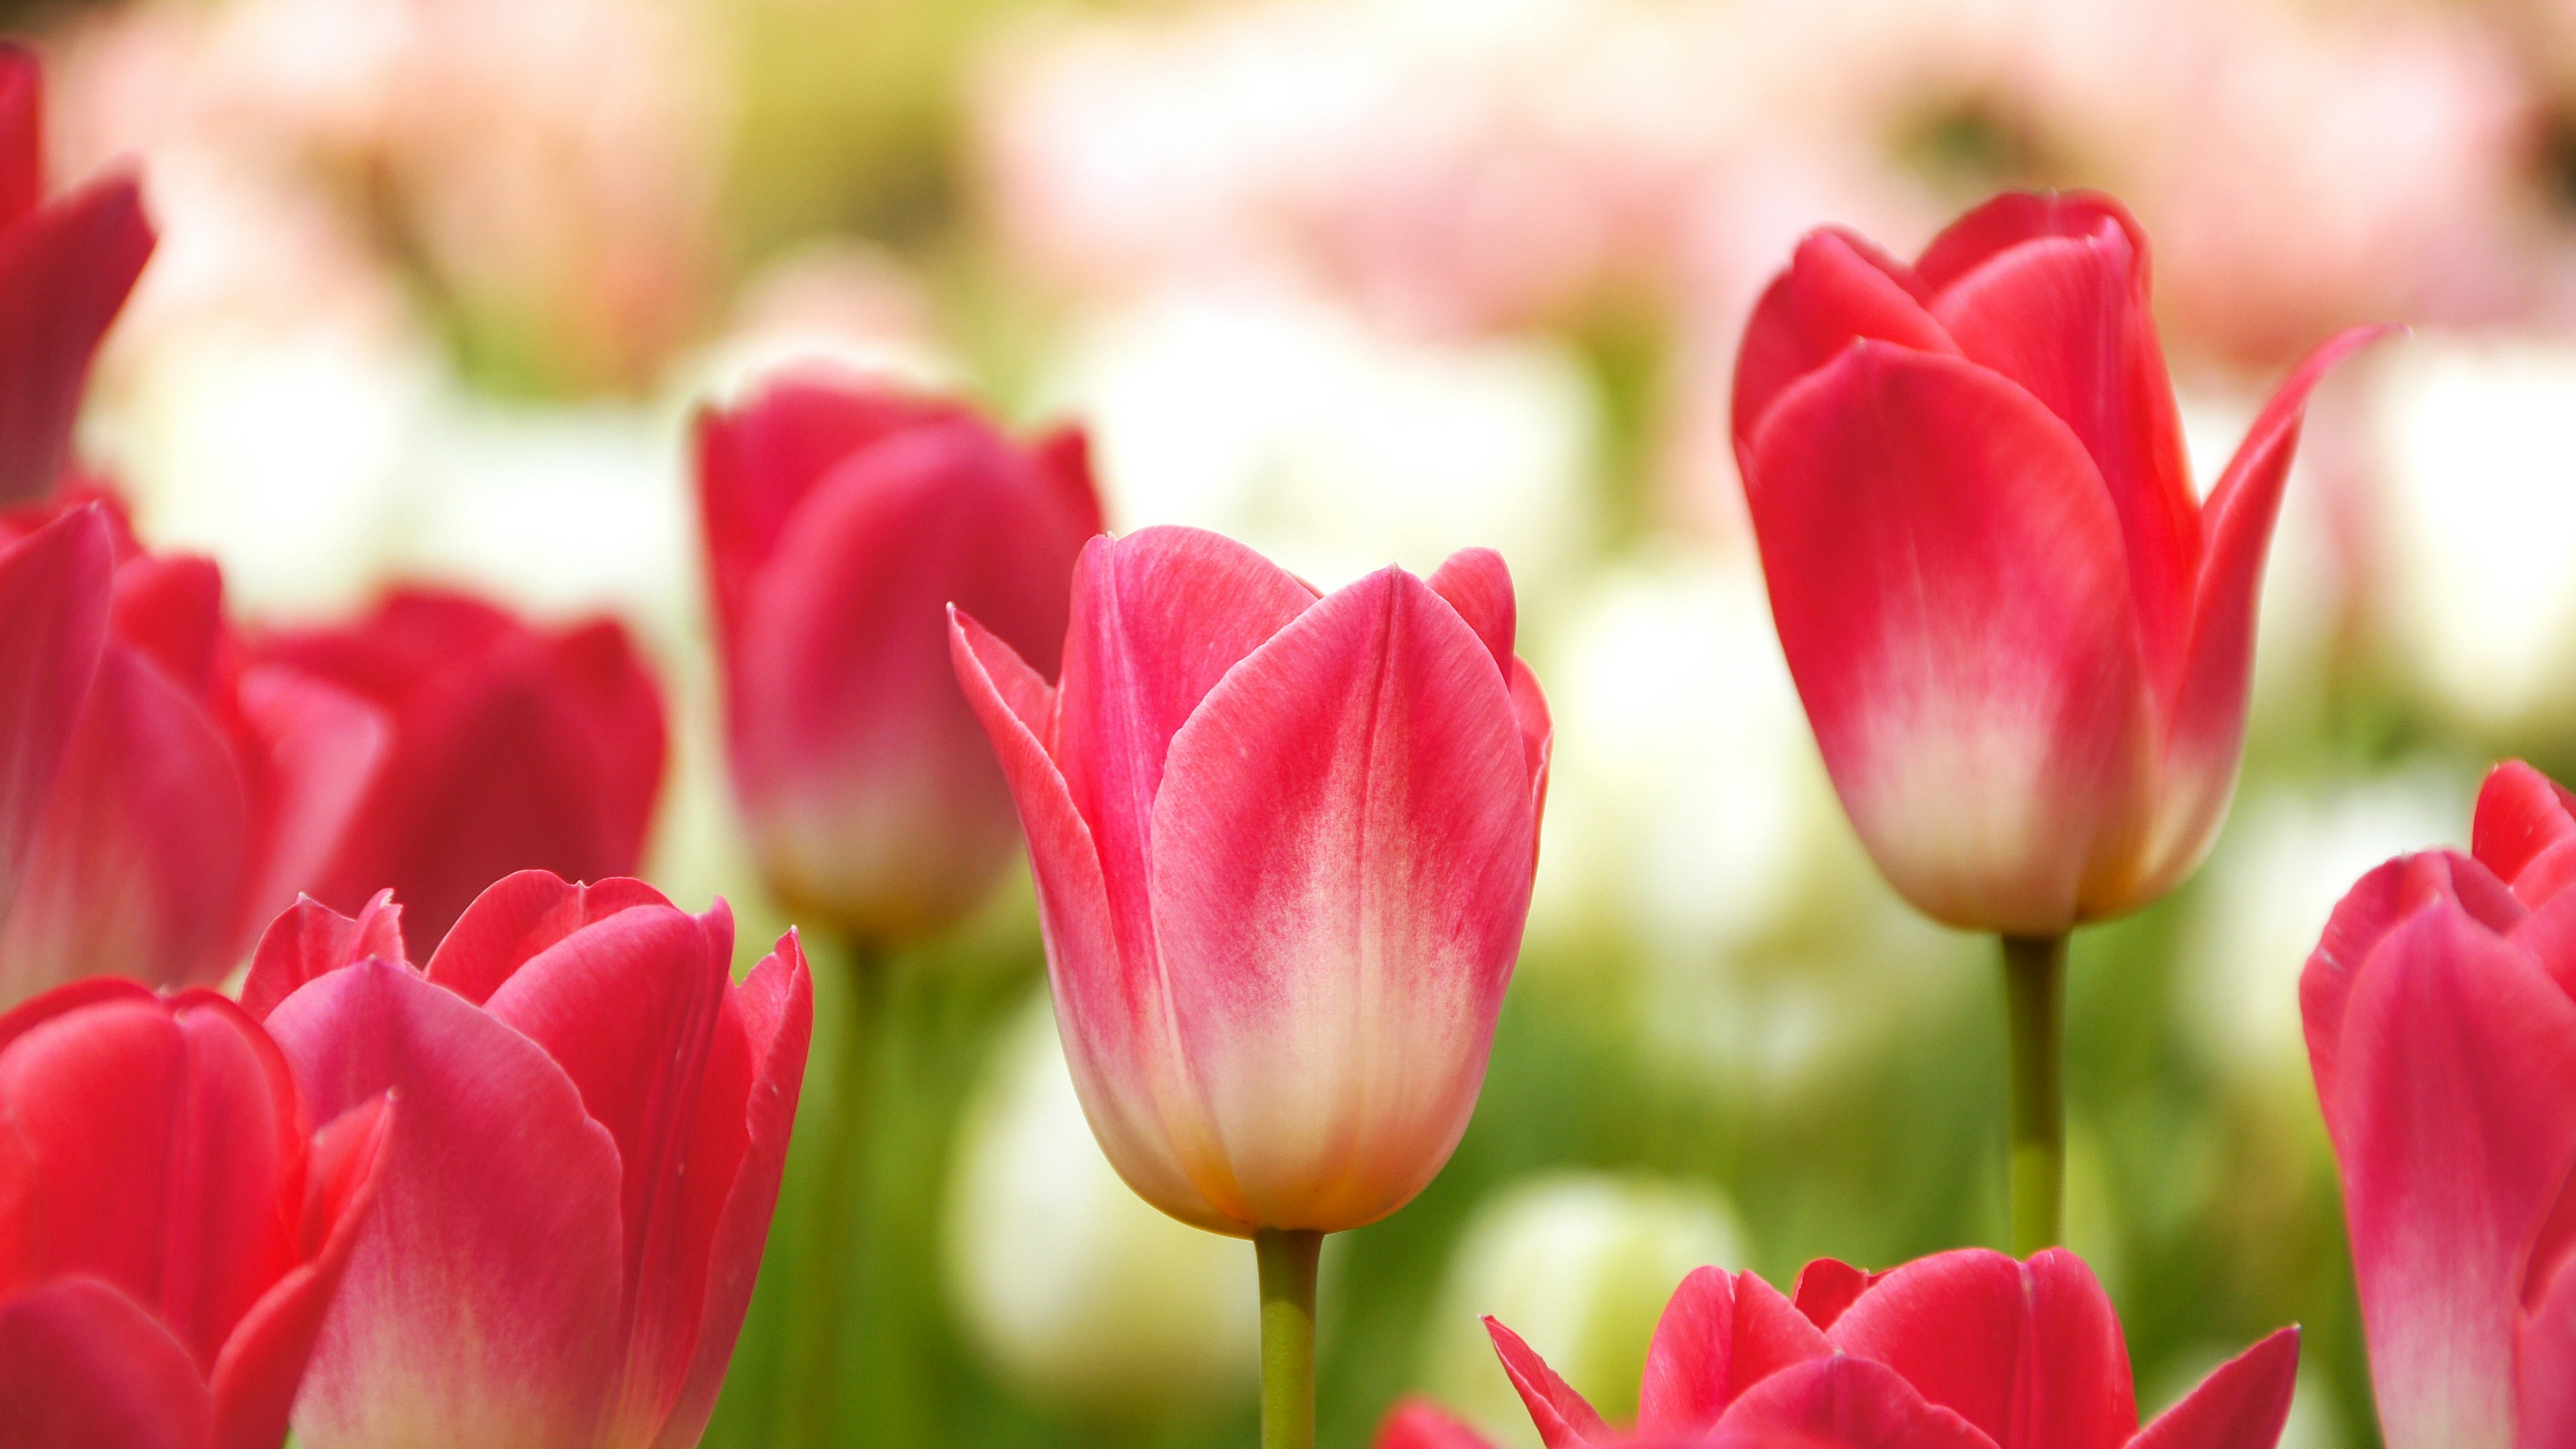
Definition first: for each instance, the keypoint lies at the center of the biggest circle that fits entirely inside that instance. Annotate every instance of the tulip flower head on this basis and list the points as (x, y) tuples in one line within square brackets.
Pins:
[(594, 1120), (1962, 1350), (170, 797), (2023, 642), (66, 267), (514, 748), (2440, 1009), (172, 1229), (841, 519), (1283, 846)]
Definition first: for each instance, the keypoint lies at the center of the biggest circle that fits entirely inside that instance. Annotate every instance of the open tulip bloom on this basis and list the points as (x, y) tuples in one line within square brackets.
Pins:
[(2441, 1021), (1961, 1350), (1283, 846), (2023, 642)]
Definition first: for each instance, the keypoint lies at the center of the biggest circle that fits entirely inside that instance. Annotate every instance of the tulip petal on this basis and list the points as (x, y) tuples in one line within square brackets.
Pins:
[(2067, 319), (2548, 1346), (1951, 590), (2029, 1353), (1110, 1007), (22, 133), (2014, 217), (1538, 738), (1417, 1423), (1564, 1420), (2457, 1060), (2242, 1404), (65, 270), (1721, 1334), (54, 587), (480, 1304), (1063, 459), (1478, 584), (84, 1367), (1341, 862), (2205, 733), (309, 939), (315, 752), (137, 868), (1839, 286), (1828, 1287), (1848, 1403), (776, 1008), (2522, 815), (171, 608), (520, 916)]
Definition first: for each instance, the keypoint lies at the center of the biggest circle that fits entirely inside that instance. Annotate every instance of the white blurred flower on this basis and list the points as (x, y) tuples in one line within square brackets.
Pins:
[(2472, 546), (1579, 1265), (1078, 1291), (1330, 446), (2285, 859)]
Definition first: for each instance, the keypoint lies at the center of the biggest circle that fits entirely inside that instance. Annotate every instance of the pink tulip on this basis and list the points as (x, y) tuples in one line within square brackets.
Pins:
[(2023, 642), (1961, 1350), (841, 519), (594, 1117), (514, 748), (2442, 1034), (170, 798), (172, 1230), (1283, 848), (65, 268)]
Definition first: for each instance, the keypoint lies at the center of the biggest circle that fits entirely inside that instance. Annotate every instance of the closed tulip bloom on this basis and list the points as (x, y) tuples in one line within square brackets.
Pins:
[(2442, 1035), (172, 1229), (180, 795), (1960, 1350), (514, 748), (66, 266), (1283, 847), (841, 518), (593, 1120), (2023, 642)]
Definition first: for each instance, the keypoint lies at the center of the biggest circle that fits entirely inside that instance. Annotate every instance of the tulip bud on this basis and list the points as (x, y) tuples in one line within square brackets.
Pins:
[(2023, 642), (1082, 1293), (840, 521), (178, 797), (1283, 848), (594, 1118), (512, 749), (172, 1231), (65, 268)]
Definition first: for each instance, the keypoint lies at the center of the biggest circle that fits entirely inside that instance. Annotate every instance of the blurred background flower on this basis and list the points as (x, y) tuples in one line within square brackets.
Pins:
[(439, 284)]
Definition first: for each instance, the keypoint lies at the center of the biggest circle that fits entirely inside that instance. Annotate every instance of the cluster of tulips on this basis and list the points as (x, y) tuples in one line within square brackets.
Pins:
[(475, 1154)]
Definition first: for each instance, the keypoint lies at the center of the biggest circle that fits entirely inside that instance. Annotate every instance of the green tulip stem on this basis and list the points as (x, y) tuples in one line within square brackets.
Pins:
[(2035, 1009), (1287, 1336), (842, 1211)]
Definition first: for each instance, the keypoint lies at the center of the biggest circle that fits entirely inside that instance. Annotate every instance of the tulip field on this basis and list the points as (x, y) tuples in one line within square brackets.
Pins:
[(1391, 724)]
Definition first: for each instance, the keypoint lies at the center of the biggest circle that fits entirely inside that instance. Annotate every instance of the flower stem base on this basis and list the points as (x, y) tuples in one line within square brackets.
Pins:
[(2035, 1011), (1287, 1336)]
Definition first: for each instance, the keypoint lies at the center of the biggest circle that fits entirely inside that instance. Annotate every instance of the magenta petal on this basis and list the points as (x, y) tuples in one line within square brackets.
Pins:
[(1720, 1335), (1564, 1420), (520, 916), (84, 1367), (1841, 1402), (2014, 217), (317, 749), (1951, 590), (22, 132), (65, 270), (2241, 1405), (2522, 815), (481, 1304), (1341, 862), (1478, 584), (1418, 1423), (1110, 1007), (309, 939), (1828, 1287), (1838, 287), (53, 624), (2548, 1352)]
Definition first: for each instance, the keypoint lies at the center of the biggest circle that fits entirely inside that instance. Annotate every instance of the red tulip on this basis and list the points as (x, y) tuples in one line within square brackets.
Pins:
[(840, 521), (2024, 644), (593, 1121), (172, 1230), (1283, 848), (1961, 1350), (513, 749), (2442, 1035), (65, 269), (172, 799)]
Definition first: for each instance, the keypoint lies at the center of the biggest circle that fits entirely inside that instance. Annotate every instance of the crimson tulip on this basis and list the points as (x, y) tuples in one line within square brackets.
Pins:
[(514, 748), (840, 519), (66, 266), (172, 1230), (2441, 1031), (594, 1118), (2023, 641), (1961, 1350), (172, 796)]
